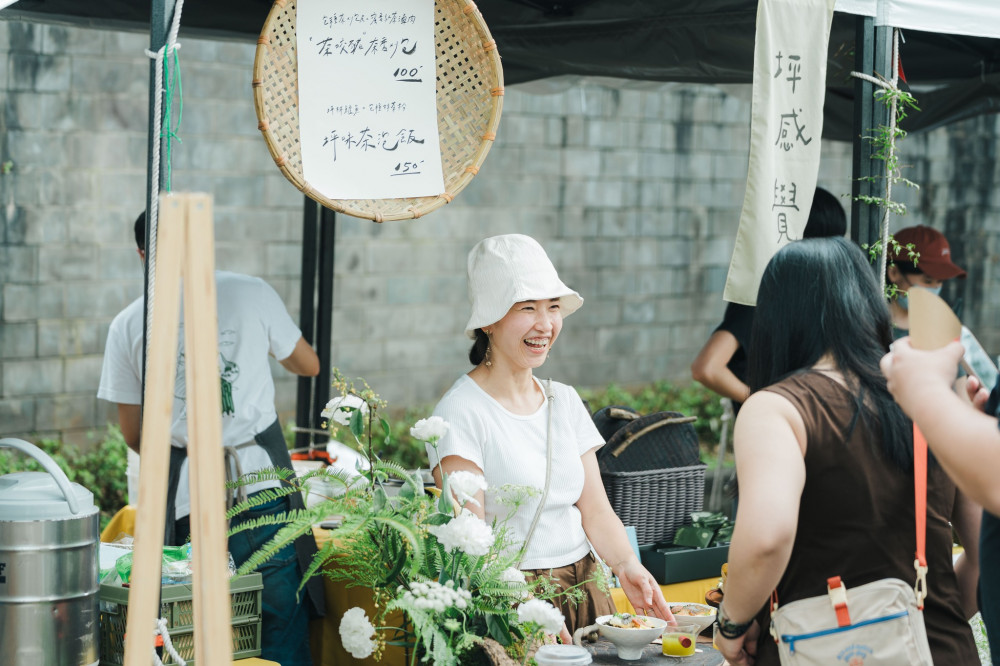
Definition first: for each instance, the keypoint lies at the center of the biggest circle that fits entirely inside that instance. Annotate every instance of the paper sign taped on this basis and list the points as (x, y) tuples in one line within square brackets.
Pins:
[(367, 98)]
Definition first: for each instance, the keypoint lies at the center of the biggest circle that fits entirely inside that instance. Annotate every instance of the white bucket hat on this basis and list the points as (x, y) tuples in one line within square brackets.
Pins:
[(504, 270)]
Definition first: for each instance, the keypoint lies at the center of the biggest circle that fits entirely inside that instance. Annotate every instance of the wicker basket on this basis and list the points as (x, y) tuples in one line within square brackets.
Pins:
[(469, 101), (657, 501)]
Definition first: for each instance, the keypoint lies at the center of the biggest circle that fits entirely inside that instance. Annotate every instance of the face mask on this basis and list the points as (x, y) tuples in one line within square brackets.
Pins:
[(904, 301)]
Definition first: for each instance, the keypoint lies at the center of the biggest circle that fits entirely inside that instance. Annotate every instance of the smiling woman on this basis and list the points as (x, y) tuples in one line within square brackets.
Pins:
[(506, 426)]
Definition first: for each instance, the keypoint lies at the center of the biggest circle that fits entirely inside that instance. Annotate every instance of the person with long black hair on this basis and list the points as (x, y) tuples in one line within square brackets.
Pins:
[(825, 460)]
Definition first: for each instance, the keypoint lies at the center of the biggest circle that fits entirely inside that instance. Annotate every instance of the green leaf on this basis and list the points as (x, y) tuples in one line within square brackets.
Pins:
[(386, 428), (499, 629), (357, 423), (379, 500), (445, 501)]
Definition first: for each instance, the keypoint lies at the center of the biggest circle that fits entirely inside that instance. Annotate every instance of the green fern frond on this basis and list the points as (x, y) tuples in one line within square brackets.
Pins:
[(259, 498), (293, 517), (267, 474), (284, 538)]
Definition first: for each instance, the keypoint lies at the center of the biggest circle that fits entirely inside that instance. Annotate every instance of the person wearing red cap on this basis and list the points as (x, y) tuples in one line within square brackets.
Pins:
[(929, 270)]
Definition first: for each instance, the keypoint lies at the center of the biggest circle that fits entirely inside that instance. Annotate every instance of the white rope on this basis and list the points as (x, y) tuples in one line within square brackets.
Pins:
[(168, 645), (891, 86), (158, 57)]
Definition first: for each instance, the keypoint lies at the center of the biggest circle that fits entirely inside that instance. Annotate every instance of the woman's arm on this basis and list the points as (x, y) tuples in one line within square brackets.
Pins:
[(710, 368), (770, 441), (607, 534), (966, 517), (964, 440), (452, 464)]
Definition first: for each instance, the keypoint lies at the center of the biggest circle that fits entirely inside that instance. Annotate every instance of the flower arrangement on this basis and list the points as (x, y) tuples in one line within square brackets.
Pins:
[(428, 559)]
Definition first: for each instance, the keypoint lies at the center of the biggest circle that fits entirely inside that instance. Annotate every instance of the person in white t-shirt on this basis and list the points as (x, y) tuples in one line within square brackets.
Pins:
[(498, 419), (253, 324)]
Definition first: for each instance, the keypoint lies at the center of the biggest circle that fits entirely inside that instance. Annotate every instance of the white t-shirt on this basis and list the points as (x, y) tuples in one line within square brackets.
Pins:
[(510, 449), (253, 322)]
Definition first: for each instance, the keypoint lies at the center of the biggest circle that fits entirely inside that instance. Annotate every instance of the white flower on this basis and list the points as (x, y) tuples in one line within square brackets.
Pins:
[(340, 408), (435, 597), (466, 532), (464, 485), (517, 581), (512, 575), (542, 614), (356, 633), (430, 429)]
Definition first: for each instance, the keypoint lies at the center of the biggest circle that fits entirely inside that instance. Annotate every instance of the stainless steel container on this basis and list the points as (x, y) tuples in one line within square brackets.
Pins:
[(48, 567)]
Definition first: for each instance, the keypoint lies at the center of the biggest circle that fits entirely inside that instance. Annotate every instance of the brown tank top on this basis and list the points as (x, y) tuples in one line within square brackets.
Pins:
[(856, 519)]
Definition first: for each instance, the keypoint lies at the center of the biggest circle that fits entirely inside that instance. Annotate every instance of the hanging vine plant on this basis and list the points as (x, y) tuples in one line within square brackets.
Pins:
[(884, 139)]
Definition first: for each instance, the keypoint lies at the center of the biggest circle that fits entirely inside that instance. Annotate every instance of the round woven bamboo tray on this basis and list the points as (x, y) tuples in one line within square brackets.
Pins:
[(469, 101)]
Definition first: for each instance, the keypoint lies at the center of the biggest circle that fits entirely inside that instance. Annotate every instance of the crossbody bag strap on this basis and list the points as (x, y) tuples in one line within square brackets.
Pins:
[(920, 512), (550, 399)]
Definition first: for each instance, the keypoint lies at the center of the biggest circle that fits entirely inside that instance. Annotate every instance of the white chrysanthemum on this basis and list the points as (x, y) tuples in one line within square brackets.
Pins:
[(466, 532), (542, 614), (340, 408), (430, 429), (464, 486), (512, 575), (356, 633), (516, 578), (435, 597)]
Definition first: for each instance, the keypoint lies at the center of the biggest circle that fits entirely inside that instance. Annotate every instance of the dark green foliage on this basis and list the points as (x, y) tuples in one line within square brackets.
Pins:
[(101, 470), (690, 399)]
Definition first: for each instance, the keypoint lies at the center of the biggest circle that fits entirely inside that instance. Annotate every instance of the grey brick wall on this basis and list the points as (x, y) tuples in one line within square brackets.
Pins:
[(635, 192)]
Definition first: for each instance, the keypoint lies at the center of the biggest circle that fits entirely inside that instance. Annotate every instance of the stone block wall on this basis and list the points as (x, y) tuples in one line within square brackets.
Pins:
[(634, 191)]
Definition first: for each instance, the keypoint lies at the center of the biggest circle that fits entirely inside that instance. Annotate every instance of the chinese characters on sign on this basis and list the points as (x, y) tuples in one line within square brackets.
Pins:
[(787, 120), (367, 105)]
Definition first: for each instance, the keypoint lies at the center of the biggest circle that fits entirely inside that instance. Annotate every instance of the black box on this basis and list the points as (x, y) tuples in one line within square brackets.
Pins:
[(677, 564)]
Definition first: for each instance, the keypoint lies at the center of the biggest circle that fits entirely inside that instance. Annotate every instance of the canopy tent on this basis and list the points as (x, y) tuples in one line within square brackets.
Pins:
[(697, 41), (955, 75)]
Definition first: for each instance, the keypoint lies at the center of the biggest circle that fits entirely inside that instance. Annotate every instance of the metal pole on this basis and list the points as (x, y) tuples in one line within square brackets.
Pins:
[(872, 53), (305, 408), (161, 13), (324, 323)]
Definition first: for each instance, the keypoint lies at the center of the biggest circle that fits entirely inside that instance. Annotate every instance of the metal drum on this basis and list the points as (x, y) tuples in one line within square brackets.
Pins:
[(48, 567)]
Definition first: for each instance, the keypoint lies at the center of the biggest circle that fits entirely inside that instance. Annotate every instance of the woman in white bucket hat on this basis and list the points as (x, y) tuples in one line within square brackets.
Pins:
[(503, 427)]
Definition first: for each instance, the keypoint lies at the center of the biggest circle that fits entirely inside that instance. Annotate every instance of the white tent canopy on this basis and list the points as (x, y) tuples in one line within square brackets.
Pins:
[(977, 18)]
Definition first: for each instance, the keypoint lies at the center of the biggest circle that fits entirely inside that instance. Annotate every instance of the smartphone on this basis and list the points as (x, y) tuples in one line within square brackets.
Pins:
[(977, 362)]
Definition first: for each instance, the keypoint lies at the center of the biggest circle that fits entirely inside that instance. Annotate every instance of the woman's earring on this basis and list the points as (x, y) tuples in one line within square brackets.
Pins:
[(486, 356)]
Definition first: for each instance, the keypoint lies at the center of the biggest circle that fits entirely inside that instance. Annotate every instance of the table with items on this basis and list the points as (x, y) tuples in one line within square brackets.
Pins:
[(604, 652)]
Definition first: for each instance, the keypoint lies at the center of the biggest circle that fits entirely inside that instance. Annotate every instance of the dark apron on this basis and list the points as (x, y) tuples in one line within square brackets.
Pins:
[(271, 440)]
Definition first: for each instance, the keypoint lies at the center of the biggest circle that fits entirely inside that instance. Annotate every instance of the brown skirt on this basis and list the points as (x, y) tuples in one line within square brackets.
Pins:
[(597, 602)]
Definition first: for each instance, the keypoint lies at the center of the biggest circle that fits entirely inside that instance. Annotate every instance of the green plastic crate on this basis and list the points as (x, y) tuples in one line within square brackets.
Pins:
[(176, 607)]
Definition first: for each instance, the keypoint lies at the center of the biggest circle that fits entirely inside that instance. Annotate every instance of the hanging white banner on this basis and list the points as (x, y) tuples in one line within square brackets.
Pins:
[(367, 98), (789, 85)]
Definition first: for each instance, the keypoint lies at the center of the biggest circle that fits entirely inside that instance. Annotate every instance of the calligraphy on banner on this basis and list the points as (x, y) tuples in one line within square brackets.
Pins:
[(367, 106), (789, 84)]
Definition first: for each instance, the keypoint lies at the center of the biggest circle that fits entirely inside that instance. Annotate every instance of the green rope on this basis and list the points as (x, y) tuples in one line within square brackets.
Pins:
[(167, 132)]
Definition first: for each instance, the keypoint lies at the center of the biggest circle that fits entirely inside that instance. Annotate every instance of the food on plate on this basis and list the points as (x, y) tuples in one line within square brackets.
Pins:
[(690, 610), (628, 621)]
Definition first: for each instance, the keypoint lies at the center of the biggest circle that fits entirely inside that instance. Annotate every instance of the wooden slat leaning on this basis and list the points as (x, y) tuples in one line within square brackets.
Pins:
[(185, 247)]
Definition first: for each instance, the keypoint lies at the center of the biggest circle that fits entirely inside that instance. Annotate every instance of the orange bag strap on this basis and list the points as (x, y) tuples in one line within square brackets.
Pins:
[(920, 512)]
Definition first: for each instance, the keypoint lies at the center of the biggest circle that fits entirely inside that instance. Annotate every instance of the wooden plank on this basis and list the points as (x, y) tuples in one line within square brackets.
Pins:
[(144, 597), (204, 419)]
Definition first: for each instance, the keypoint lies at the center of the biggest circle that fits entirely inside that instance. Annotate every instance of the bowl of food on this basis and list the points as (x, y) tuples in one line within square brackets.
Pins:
[(630, 633), (701, 615)]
